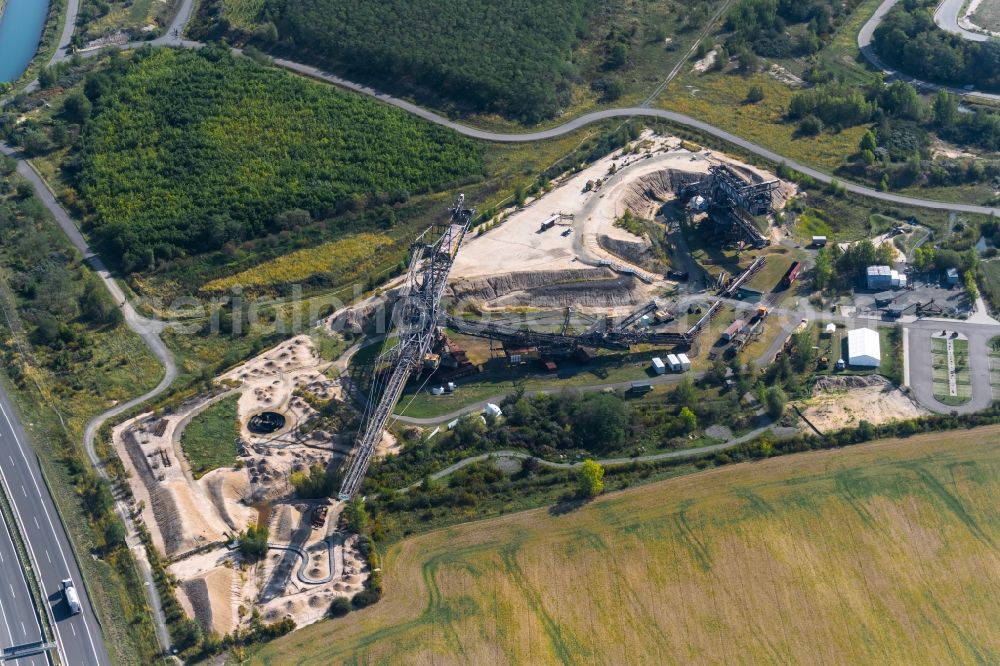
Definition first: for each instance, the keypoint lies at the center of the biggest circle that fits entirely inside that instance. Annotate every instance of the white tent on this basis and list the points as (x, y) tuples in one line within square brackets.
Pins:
[(863, 348)]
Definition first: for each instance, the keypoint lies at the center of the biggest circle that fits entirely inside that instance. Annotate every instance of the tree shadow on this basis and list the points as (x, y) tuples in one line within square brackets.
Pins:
[(568, 505)]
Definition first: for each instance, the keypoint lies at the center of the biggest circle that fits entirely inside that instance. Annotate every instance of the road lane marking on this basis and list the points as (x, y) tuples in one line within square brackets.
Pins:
[(23, 630), (47, 557), (55, 534), (73, 628), (24, 491), (37, 526), (12, 595)]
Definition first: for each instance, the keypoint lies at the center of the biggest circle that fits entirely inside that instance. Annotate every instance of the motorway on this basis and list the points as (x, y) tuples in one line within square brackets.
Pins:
[(19, 621), (79, 638), (52, 558)]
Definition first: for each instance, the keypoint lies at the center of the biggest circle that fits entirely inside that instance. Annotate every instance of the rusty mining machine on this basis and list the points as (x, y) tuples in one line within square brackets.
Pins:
[(733, 201), (418, 313), (415, 319)]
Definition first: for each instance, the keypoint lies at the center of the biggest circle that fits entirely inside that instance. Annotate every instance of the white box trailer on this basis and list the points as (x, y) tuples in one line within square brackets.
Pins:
[(685, 362), (658, 366), (72, 599), (674, 363)]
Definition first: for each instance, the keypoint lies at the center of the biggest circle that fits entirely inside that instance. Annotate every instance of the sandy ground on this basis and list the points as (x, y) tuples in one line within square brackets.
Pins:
[(270, 379), (517, 245), (706, 63), (280, 591), (186, 516), (844, 401)]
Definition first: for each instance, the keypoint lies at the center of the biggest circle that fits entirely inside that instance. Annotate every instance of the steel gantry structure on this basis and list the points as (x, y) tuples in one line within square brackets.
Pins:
[(414, 321)]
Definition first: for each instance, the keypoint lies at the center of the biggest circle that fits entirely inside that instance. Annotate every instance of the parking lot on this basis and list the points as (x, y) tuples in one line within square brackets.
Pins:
[(927, 289)]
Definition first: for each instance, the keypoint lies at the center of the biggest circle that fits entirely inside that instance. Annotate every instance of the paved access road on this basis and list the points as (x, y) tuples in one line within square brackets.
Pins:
[(946, 17), (867, 33), (78, 636)]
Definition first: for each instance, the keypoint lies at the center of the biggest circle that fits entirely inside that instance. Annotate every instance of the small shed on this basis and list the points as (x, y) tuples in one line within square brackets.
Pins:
[(819, 241), (831, 328), (658, 366), (640, 388)]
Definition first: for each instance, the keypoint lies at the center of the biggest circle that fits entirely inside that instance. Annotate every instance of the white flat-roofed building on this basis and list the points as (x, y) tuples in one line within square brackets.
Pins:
[(863, 348)]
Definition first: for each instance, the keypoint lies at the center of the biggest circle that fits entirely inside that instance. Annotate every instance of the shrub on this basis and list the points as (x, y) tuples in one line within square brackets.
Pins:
[(810, 126), (340, 607), (365, 598)]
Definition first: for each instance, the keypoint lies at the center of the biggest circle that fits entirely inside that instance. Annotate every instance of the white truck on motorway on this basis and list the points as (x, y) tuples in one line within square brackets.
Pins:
[(72, 599)]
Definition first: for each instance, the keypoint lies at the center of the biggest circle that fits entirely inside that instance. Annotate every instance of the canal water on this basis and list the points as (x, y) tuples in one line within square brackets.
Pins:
[(20, 29)]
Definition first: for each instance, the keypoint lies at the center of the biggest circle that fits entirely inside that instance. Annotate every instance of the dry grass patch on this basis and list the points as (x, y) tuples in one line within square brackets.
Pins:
[(884, 552), (719, 99), (354, 256)]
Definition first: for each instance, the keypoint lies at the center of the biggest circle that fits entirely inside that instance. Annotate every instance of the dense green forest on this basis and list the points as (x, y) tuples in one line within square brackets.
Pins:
[(184, 152), (784, 28), (511, 58), (909, 39)]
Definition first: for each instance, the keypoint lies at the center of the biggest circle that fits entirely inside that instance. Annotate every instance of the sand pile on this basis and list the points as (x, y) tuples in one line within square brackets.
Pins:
[(842, 401), (178, 510)]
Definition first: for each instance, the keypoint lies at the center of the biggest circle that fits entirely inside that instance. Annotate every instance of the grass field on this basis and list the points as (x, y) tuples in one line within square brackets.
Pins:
[(842, 55), (716, 98), (209, 439), (879, 553), (987, 15)]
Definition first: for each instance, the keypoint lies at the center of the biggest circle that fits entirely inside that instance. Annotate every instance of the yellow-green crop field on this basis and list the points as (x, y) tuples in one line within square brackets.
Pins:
[(352, 256), (880, 553)]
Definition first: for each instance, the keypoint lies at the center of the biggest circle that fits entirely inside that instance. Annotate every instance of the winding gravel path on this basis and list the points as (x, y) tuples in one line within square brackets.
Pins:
[(779, 431)]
